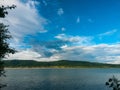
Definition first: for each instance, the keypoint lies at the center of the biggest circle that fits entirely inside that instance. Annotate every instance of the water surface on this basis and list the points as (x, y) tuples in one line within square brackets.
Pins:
[(58, 79)]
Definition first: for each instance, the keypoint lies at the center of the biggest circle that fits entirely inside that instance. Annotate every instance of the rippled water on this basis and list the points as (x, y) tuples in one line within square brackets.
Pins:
[(58, 79)]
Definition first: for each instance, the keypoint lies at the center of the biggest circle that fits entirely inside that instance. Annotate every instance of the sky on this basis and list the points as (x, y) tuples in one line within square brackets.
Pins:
[(77, 30)]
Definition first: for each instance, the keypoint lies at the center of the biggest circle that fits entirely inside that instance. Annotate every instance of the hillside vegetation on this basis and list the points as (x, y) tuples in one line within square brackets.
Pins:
[(56, 64)]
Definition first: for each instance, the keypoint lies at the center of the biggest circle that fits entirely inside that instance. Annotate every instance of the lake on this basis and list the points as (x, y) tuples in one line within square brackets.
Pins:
[(59, 79)]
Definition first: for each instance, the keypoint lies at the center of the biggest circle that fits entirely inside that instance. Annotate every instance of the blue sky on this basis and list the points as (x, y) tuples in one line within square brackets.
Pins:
[(50, 30)]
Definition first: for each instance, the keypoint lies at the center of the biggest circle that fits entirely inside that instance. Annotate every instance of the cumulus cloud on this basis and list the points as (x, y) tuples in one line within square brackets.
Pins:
[(24, 20), (62, 50), (94, 53), (80, 40), (60, 11), (104, 53), (48, 48), (53, 49), (25, 55)]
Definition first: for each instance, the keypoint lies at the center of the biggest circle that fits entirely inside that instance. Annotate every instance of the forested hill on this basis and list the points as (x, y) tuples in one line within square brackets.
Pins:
[(56, 64)]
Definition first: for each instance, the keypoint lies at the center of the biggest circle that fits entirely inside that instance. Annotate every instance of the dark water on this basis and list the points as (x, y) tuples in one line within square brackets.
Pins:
[(59, 79)]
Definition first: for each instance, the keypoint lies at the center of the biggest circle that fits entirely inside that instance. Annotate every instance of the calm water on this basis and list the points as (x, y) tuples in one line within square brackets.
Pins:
[(59, 79)]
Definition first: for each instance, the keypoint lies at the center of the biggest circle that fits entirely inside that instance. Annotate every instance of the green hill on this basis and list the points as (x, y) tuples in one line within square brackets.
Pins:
[(56, 64)]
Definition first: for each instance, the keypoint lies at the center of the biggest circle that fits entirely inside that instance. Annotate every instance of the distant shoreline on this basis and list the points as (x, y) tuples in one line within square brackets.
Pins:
[(58, 67), (28, 64)]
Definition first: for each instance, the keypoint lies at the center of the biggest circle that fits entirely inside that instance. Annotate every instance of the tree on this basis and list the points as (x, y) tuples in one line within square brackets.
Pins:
[(4, 36), (113, 83), (3, 10)]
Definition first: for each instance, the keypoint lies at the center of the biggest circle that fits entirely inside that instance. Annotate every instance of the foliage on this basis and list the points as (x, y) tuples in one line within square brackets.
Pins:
[(3, 10), (4, 36), (113, 83), (57, 64)]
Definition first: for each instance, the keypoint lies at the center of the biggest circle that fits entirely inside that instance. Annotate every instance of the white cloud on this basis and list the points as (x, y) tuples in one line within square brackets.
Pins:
[(63, 28), (104, 53), (44, 2), (24, 19), (90, 20), (64, 46), (78, 20), (31, 55), (111, 32), (95, 53), (80, 40), (25, 55), (60, 11)]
